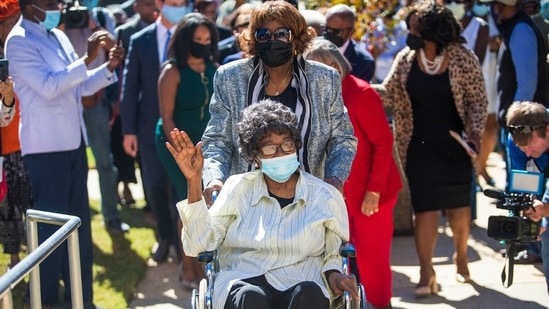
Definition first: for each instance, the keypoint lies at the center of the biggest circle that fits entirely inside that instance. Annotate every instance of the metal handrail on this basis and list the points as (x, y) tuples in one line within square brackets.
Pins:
[(37, 254)]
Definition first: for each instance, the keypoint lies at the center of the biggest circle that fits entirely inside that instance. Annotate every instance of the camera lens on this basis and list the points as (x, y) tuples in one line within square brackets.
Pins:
[(508, 227)]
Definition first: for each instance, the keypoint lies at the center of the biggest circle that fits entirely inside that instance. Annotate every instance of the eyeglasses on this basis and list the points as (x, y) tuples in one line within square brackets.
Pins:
[(334, 31), (264, 35), (520, 129), (270, 150)]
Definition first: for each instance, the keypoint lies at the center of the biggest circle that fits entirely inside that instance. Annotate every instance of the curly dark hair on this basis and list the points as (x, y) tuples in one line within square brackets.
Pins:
[(261, 119), (287, 15), (179, 47), (435, 23)]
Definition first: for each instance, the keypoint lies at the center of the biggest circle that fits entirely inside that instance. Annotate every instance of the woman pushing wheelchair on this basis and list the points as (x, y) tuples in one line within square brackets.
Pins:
[(277, 229)]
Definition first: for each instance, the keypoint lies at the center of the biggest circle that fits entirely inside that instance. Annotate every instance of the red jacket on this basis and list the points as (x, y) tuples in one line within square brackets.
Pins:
[(374, 168)]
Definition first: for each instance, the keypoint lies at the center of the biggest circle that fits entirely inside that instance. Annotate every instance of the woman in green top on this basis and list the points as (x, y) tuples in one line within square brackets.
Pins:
[(185, 87)]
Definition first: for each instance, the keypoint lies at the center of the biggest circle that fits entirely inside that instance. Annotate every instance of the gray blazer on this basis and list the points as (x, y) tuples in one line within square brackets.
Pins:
[(331, 145)]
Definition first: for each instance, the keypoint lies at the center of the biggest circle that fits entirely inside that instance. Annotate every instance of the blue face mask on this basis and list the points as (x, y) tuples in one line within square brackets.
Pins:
[(480, 10), (90, 4), (280, 169), (544, 10), (52, 18), (174, 13)]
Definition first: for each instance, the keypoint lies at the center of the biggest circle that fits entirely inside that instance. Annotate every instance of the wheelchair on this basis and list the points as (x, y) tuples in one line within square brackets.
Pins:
[(201, 298)]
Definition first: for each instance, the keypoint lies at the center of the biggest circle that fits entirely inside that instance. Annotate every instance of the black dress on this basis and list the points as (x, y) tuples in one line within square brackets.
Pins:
[(439, 171)]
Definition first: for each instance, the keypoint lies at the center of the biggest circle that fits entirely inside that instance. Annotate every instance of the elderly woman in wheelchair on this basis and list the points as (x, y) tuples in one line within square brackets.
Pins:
[(277, 229)]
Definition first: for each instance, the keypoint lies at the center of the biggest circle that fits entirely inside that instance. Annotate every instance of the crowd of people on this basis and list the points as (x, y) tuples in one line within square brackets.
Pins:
[(283, 113)]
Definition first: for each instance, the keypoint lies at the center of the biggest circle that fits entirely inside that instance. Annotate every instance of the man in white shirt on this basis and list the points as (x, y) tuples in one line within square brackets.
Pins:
[(50, 80)]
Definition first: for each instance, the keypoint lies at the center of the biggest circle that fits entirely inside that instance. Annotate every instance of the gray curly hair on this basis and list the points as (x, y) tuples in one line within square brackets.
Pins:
[(261, 119)]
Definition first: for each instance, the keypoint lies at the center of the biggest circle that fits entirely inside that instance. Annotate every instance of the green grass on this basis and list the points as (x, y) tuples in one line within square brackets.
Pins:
[(119, 260), (91, 158)]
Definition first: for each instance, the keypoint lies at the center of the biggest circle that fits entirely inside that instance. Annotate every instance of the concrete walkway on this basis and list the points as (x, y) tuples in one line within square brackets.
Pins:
[(160, 288)]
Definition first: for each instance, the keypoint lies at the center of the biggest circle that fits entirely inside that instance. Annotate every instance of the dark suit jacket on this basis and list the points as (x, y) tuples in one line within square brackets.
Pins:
[(133, 25), (224, 32), (362, 62), (139, 105)]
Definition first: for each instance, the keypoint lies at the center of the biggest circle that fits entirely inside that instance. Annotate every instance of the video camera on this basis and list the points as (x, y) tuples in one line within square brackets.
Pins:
[(514, 227), (75, 15)]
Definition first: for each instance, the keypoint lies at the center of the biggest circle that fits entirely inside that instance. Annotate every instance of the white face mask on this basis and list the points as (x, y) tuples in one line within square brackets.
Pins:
[(458, 9)]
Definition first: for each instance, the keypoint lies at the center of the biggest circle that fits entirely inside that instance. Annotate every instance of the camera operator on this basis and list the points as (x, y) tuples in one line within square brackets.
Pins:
[(532, 162), (528, 125), (50, 79)]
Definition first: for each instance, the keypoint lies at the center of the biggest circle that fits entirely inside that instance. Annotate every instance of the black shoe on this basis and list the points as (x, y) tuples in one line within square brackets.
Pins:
[(117, 226), (162, 251)]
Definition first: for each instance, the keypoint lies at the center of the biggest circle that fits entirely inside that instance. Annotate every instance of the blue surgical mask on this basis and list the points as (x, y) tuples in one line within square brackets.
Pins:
[(544, 10), (280, 169), (458, 9), (480, 10), (90, 4), (174, 13), (52, 18)]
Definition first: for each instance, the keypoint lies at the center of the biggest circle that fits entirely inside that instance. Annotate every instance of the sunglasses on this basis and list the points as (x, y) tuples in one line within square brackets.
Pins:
[(520, 129), (334, 31), (264, 35), (270, 150)]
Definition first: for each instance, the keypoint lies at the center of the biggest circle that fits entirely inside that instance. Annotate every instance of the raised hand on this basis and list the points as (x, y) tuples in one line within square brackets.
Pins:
[(116, 56), (6, 91), (188, 157), (96, 41)]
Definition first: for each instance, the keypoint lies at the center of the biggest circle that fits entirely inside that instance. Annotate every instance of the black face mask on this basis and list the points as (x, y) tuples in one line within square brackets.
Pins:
[(415, 42), (337, 40), (275, 53), (200, 50)]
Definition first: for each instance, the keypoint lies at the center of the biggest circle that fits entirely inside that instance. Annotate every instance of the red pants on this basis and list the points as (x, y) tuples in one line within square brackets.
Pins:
[(372, 237)]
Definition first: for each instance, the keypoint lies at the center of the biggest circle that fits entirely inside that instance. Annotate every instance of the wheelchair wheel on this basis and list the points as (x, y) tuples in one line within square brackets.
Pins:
[(194, 299), (202, 294), (349, 303), (362, 303)]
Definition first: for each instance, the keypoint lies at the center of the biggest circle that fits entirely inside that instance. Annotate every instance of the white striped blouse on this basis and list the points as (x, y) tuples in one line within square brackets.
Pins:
[(254, 236)]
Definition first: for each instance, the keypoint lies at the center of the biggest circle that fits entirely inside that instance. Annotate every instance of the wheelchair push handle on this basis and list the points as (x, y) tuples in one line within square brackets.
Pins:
[(347, 250)]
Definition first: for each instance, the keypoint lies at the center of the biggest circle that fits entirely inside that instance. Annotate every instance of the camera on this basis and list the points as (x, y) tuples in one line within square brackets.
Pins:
[(75, 15), (514, 227)]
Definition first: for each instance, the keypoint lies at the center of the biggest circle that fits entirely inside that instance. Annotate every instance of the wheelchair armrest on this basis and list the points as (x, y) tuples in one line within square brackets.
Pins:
[(206, 257), (347, 250)]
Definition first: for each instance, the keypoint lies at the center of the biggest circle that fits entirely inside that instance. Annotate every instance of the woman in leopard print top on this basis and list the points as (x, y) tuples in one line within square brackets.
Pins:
[(436, 85)]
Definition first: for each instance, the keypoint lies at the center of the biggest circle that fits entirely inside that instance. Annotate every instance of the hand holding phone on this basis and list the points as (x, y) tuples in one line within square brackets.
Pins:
[(116, 54), (470, 151), (4, 71), (118, 38)]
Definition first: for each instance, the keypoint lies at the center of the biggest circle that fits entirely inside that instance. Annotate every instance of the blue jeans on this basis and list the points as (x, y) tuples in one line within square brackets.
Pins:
[(99, 137)]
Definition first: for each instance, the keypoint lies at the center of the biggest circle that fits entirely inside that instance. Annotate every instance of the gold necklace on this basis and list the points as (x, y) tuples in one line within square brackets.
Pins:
[(277, 91), (204, 80)]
